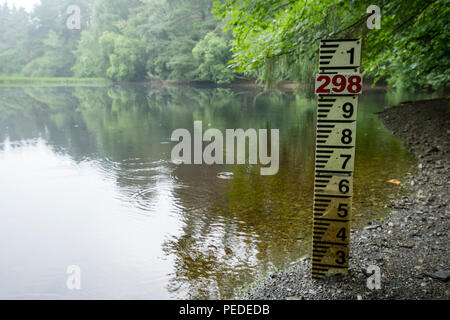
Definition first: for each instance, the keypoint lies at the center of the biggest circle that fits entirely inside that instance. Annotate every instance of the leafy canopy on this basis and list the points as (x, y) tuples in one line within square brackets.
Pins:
[(278, 35)]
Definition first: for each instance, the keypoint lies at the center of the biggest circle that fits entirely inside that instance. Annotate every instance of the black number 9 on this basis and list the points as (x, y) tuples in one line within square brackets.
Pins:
[(348, 110)]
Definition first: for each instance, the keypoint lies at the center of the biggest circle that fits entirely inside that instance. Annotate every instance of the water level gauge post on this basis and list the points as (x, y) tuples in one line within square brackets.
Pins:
[(338, 85)]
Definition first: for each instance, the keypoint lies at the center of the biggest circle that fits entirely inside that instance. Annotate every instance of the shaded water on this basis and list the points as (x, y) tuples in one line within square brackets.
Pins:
[(86, 179)]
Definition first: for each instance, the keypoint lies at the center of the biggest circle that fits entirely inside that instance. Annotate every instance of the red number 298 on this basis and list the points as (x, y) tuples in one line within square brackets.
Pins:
[(339, 84)]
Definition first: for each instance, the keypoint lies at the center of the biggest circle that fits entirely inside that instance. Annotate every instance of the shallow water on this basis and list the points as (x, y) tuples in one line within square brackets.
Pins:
[(86, 179)]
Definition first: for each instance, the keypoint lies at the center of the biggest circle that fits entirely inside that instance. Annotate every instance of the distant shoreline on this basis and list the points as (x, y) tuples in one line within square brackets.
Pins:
[(52, 81), (286, 85)]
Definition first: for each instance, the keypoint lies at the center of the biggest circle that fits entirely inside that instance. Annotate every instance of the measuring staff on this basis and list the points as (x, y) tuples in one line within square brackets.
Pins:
[(338, 85)]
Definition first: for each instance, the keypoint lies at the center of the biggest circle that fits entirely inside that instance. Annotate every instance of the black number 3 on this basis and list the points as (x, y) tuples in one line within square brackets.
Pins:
[(341, 257)]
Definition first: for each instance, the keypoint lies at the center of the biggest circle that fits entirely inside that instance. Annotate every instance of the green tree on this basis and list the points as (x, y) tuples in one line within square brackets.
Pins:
[(212, 54), (39, 43), (150, 39), (14, 48), (172, 31), (107, 15), (126, 56), (56, 60), (274, 37)]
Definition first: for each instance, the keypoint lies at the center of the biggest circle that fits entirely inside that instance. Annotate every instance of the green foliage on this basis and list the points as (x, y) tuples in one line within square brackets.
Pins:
[(182, 40), (172, 30), (212, 54), (150, 39), (14, 30), (39, 43), (91, 58), (90, 61), (410, 47), (56, 59), (126, 56)]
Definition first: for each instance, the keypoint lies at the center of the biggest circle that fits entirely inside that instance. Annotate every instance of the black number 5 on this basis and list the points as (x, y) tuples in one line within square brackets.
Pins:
[(342, 210)]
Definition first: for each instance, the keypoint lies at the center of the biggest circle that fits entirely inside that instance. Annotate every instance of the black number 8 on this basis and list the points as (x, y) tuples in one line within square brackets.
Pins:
[(346, 136)]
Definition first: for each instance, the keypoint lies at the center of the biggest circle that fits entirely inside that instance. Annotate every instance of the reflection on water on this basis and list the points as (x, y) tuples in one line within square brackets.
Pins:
[(86, 179)]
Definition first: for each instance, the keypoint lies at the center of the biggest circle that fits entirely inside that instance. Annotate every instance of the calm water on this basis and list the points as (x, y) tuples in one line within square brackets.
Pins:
[(86, 179)]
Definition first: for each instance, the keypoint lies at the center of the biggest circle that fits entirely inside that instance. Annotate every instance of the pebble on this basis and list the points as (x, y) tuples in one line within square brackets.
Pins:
[(443, 275)]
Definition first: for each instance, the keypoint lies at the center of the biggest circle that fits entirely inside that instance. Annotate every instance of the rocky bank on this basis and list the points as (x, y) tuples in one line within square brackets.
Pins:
[(410, 246)]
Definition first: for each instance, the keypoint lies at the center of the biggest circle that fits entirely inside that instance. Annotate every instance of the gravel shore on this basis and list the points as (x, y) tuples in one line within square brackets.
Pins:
[(411, 246)]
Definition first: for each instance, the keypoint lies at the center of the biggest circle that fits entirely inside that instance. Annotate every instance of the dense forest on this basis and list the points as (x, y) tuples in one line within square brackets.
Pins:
[(223, 41)]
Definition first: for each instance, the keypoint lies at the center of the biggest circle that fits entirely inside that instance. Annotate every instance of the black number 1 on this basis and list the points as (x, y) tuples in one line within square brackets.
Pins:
[(352, 55)]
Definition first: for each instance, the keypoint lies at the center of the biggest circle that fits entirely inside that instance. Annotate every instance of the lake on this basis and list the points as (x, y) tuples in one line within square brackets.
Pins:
[(86, 179)]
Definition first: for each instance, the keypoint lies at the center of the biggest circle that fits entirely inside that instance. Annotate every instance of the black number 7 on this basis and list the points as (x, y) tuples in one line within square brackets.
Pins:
[(347, 157)]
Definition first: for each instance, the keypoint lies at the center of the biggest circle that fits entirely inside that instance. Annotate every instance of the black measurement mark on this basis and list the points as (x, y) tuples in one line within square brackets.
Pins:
[(322, 224), (332, 196), (327, 51), (323, 99), (331, 265), (325, 126), (322, 200), (324, 151), (333, 243), (321, 205), (329, 46), (331, 220), (323, 177), (332, 171), (332, 146), (336, 121), (339, 68)]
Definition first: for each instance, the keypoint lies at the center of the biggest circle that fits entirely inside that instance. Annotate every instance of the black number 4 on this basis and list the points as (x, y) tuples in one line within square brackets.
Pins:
[(342, 234)]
